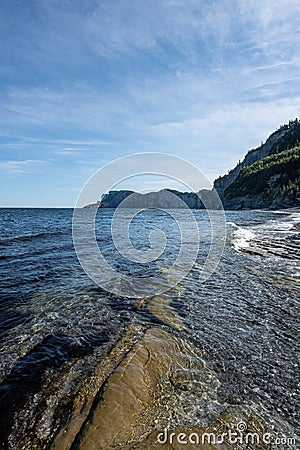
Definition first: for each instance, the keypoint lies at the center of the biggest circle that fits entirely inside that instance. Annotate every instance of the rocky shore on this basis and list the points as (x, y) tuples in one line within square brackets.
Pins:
[(135, 393)]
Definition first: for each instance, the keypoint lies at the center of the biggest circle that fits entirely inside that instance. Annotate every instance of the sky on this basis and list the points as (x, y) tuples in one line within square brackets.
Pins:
[(83, 82)]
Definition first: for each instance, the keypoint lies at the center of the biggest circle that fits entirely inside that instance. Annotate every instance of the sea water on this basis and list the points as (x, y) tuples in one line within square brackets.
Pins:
[(244, 320)]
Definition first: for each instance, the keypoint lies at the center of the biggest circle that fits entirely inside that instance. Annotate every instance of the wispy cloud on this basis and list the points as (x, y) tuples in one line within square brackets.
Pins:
[(12, 141), (20, 167), (70, 151)]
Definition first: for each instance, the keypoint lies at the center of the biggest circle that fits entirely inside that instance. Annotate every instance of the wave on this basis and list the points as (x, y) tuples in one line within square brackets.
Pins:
[(289, 224), (28, 237), (278, 238), (241, 237)]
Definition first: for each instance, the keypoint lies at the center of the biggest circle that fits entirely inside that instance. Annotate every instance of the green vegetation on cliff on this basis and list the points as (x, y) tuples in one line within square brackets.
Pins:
[(275, 176)]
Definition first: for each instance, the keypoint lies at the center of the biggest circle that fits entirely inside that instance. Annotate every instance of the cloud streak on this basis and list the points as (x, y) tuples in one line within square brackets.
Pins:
[(26, 166)]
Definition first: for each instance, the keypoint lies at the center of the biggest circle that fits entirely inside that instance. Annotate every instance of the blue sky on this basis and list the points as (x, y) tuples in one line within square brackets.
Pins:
[(86, 81)]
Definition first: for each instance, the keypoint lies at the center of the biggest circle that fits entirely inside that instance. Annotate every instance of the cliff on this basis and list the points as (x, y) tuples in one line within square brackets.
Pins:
[(165, 199), (268, 176)]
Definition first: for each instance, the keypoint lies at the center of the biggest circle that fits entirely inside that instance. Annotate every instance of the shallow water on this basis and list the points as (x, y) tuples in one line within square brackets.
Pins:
[(239, 331)]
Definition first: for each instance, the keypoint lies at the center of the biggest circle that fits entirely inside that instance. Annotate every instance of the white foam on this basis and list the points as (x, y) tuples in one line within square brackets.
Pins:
[(295, 217), (241, 237), (285, 225)]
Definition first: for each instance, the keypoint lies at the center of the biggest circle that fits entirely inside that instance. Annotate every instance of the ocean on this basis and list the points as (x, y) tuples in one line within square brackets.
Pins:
[(231, 344)]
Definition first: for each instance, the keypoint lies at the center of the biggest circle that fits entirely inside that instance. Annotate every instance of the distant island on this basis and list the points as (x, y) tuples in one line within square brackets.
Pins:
[(268, 177), (161, 199)]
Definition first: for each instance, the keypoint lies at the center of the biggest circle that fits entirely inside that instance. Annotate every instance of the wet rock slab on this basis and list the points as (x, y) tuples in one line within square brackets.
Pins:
[(137, 399)]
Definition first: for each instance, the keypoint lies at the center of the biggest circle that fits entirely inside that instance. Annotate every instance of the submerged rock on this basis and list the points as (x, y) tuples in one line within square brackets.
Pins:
[(139, 398), (137, 394)]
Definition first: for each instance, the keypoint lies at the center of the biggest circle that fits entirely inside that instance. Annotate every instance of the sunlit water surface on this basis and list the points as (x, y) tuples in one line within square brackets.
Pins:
[(244, 320)]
